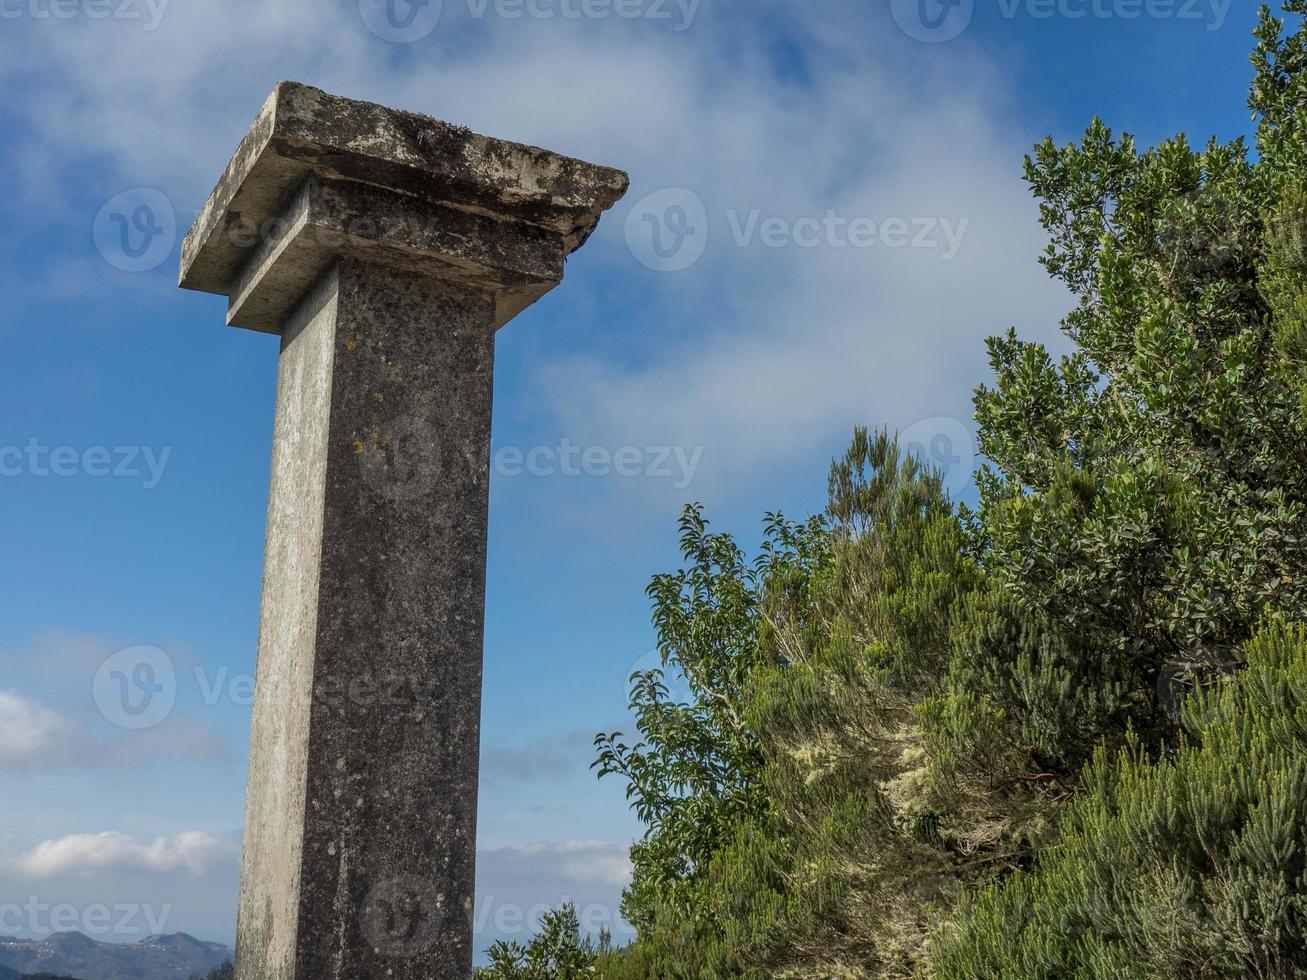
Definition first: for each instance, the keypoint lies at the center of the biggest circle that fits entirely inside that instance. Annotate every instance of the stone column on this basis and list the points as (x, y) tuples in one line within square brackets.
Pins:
[(385, 248)]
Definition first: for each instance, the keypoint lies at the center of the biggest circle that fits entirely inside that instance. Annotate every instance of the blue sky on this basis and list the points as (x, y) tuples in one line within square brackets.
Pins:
[(836, 187)]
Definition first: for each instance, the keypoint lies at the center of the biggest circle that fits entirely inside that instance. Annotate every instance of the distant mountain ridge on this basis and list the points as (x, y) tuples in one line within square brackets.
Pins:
[(72, 954)]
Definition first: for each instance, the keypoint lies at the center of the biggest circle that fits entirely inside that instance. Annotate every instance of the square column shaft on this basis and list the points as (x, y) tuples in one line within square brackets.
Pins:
[(361, 812), (385, 249)]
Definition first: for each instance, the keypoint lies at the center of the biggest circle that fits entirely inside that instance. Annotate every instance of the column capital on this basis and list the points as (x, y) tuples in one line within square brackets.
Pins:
[(319, 177)]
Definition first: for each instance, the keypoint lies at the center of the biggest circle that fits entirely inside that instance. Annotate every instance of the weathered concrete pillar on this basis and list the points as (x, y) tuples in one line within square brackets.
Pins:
[(385, 248)]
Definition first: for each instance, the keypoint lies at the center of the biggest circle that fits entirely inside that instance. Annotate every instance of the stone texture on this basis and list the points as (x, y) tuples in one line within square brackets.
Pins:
[(288, 636), (517, 263), (303, 132), (386, 248)]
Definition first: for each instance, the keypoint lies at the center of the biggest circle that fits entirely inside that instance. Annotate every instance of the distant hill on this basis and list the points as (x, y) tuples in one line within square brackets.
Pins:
[(71, 954)]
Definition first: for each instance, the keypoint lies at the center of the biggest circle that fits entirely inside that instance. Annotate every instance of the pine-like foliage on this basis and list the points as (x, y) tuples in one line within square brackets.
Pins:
[(853, 863), (1191, 866), (557, 951)]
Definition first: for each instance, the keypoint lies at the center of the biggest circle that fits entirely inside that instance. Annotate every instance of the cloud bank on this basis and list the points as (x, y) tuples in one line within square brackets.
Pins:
[(194, 852)]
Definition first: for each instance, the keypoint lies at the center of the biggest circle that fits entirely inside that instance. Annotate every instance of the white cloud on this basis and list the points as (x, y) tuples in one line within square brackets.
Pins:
[(581, 861), (194, 853), (32, 735)]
